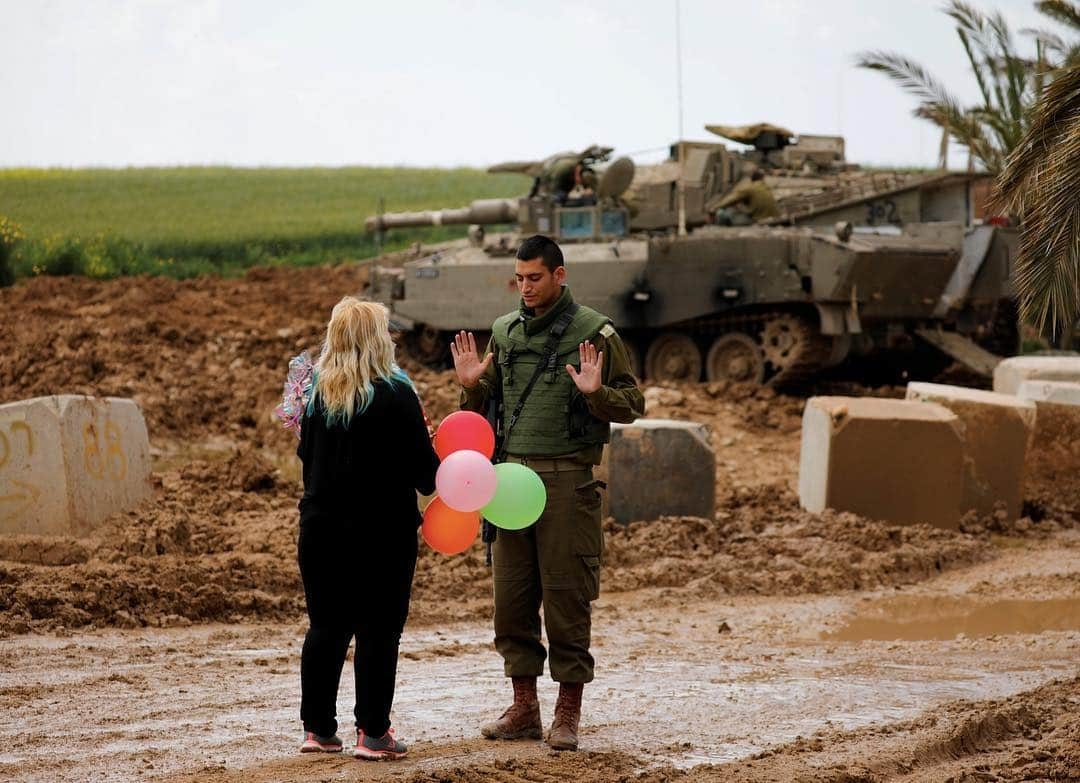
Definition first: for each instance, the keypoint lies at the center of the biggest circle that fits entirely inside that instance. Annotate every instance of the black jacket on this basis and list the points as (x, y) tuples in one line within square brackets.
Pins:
[(367, 474)]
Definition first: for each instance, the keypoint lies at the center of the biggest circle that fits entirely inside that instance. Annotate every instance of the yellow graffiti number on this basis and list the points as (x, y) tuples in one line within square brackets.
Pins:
[(111, 464), (114, 455), (92, 452)]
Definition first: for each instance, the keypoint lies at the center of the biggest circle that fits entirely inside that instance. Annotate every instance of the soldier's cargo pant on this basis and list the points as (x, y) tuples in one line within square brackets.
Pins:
[(554, 563)]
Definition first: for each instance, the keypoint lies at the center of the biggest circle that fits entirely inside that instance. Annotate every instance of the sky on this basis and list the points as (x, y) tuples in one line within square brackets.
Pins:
[(472, 82)]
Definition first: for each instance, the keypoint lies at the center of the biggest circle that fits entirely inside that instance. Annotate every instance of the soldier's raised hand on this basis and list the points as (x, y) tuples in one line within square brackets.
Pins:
[(588, 379), (467, 362)]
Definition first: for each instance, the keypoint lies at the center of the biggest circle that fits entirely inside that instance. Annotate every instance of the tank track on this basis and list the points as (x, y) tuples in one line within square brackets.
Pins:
[(810, 355)]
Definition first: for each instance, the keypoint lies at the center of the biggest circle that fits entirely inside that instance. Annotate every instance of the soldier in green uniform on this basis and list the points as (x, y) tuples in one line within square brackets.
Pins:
[(748, 203), (581, 384), (565, 176)]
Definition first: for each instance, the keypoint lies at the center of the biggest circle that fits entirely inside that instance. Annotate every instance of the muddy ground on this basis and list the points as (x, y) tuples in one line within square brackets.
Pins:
[(762, 644)]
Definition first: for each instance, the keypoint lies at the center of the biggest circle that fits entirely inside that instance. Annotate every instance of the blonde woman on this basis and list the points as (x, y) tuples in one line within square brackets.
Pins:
[(365, 451)]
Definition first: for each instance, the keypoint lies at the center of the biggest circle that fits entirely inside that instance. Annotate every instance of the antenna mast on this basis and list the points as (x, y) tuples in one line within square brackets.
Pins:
[(678, 90)]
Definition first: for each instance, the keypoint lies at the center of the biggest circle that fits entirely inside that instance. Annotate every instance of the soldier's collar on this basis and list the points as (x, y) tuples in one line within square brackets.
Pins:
[(536, 325)]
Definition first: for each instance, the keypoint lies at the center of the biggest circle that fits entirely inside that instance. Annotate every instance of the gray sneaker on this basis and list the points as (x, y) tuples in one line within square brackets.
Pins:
[(313, 743), (372, 749)]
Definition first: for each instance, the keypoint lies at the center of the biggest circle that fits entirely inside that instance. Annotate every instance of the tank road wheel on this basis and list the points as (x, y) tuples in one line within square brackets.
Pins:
[(796, 350), (735, 357), (673, 356), (783, 341), (429, 346)]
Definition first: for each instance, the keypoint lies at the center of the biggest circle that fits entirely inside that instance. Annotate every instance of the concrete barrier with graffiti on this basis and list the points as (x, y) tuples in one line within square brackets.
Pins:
[(69, 461)]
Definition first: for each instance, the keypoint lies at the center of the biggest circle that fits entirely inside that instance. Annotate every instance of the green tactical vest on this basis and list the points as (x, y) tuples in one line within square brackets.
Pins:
[(555, 420)]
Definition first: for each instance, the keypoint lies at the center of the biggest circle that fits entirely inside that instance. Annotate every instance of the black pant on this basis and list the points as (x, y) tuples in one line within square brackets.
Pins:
[(357, 583)]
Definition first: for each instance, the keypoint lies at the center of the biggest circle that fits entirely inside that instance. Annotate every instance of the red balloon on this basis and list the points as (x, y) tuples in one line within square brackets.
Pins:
[(464, 430), (447, 531)]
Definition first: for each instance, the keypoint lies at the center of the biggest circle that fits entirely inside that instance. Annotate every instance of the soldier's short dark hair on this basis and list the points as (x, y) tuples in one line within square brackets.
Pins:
[(542, 247), (757, 175)]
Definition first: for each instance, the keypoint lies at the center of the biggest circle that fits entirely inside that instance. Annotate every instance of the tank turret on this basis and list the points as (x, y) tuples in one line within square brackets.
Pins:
[(576, 197)]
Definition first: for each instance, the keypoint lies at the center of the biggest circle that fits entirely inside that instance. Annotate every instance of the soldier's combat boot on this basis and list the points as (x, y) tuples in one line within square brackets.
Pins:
[(564, 729), (522, 718)]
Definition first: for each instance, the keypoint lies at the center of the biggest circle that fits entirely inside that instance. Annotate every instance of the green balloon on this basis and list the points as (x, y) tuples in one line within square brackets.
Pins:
[(519, 499)]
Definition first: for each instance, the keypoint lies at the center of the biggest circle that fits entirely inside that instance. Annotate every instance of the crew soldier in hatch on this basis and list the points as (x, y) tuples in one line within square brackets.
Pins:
[(560, 433), (566, 178), (750, 202)]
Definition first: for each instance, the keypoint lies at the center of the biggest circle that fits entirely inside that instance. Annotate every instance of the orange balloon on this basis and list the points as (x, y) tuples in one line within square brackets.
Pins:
[(464, 430), (448, 531)]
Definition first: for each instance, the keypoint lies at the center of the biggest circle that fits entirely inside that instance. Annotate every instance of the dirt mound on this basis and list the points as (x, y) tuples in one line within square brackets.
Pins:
[(43, 550), (1033, 735), (763, 542), (202, 357), (439, 390), (754, 407), (218, 543)]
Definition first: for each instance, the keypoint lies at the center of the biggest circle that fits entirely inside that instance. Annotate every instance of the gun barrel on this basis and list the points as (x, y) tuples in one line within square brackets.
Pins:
[(482, 211)]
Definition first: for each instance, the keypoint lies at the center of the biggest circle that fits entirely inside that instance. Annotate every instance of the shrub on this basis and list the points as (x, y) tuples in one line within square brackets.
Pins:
[(10, 237)]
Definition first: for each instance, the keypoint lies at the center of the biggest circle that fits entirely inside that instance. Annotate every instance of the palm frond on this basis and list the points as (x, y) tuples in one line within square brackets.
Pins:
[(976, 66), (1050, 40), (1008, 81), (966, 128), (974, 30), (966, 15), (1041, 182), (1061, 11), (1014, 71), (911, 76)]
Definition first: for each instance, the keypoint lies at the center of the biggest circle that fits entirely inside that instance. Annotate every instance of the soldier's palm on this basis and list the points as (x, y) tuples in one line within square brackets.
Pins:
[(469, 368), (588, 378), (467, 362)]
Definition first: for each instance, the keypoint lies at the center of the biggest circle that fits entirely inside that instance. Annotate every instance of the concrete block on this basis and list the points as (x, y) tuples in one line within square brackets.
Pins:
[(997, 429), (1012, 372), (1057, 392), (894, 460), (1054, 455), (660, 467), (69, 461)]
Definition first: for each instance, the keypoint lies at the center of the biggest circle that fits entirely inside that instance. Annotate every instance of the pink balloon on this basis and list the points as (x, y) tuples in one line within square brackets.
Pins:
[(466, 480)]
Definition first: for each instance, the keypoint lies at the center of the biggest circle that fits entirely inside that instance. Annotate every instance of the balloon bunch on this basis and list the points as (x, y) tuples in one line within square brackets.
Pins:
[(509, 495)]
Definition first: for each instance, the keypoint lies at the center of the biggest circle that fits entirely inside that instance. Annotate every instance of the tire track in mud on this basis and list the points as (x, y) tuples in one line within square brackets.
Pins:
[(1034, 735)]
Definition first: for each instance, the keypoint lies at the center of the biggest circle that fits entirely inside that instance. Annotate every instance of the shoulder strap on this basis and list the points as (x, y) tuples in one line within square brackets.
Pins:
[(558, 329)]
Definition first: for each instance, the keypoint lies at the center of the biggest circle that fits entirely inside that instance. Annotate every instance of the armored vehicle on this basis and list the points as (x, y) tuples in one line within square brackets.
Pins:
[(854, 264)]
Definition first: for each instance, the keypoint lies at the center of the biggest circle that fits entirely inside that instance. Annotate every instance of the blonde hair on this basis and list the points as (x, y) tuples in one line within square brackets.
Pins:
[(357, 352)]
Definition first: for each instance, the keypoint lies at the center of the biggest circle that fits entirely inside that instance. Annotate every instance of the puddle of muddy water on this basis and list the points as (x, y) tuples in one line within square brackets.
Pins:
[(930, 618)]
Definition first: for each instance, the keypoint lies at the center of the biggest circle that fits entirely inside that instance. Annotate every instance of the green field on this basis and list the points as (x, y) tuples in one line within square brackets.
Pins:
[(186, 221)]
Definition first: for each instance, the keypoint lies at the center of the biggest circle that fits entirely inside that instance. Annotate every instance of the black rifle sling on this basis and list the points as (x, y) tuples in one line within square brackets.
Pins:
[(558, 329)]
